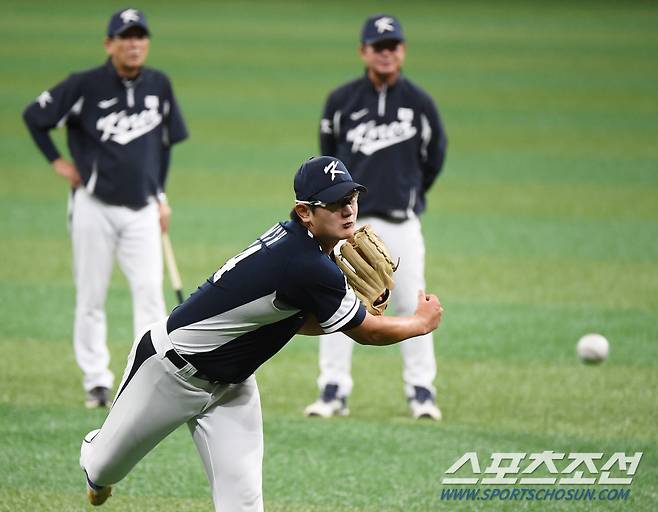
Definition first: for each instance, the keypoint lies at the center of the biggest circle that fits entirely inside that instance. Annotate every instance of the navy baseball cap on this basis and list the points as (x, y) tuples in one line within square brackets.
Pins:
[(324, 178), (124, 19), (381, 27)]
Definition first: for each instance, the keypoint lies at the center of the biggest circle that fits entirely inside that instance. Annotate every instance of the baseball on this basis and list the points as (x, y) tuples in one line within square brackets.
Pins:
[(593, 348)]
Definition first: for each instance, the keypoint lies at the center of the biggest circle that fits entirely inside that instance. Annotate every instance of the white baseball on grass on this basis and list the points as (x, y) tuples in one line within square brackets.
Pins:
[(593, 348)]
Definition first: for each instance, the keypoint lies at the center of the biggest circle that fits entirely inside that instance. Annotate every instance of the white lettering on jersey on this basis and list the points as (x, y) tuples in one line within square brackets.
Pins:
[(232, 262), (151, 101), (107, 103), (405, 114), (123, 128), (384, 24), (274, 234), (369, 137), (332, 169), (129, 15), (44, 98)]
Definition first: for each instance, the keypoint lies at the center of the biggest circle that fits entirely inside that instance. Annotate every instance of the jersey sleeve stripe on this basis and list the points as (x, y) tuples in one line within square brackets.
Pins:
[(75, 109), (425, 136), (346, 319), (336, 123), (347, 309)]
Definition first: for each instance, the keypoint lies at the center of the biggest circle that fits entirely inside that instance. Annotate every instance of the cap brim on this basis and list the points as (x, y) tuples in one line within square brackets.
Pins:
[(338, 191), (131, 25), (379, 39)]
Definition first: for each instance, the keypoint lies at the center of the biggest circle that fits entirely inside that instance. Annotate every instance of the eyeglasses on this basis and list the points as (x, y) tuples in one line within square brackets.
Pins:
[(334, 206), (390, 44)]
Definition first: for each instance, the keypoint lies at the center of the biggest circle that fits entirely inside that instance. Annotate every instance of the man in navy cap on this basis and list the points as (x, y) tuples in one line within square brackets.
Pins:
[(388, 132), (121, 121), (197, 366)]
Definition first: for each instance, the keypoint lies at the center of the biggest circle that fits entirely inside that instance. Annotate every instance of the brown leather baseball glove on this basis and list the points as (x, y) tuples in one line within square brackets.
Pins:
[(368, 266)]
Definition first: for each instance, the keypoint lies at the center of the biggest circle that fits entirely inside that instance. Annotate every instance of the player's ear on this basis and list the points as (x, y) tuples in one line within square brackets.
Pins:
[(303, 211), (108, 44)]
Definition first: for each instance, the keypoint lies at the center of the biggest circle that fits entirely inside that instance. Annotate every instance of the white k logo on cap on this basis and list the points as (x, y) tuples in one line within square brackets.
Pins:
[(384, 24), (332, 169), (129, 15)]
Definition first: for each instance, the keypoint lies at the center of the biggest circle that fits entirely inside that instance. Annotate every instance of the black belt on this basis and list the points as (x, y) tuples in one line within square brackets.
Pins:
[(181, 363), (385, 216)]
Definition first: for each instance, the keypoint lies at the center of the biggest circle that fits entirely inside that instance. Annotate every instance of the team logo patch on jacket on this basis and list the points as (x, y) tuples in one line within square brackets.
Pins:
[(122, 128), (370, 137)]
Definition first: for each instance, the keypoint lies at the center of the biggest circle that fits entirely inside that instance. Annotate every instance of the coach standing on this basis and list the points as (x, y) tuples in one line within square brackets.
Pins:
[(121, 120), (389, 134)]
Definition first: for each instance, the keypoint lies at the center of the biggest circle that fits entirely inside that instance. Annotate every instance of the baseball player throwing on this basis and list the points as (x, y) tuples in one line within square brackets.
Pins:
[(121, 121), (197, 367), (388, 132)]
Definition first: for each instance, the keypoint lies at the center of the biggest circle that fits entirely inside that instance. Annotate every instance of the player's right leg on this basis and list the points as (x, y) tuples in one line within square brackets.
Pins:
[(150, 404), (94, 242)]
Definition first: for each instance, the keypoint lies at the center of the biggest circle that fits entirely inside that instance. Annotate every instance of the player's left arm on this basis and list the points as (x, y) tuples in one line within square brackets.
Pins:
[(387, 330), (434, 143), (331, 305), (174, 130)]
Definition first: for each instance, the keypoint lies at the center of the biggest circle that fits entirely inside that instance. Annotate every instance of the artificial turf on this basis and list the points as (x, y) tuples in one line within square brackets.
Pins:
[(543, 227)]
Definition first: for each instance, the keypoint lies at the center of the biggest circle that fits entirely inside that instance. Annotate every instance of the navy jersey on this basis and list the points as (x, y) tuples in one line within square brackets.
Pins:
[(256, 302), (119, 131), (392, 141)]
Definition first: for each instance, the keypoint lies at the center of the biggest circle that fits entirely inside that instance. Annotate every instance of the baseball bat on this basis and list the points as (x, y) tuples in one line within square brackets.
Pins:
[(170, 261)]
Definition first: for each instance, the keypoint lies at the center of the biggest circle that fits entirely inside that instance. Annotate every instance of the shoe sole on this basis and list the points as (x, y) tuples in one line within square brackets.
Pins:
[(426, 410), (97, 498)]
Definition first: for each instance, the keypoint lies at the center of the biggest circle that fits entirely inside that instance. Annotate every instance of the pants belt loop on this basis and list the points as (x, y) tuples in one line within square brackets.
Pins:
[(186, 372)]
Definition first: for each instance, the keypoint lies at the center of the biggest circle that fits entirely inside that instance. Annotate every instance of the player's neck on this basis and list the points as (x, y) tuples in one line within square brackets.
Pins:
[(381, 80), (126, 72), (326, 244), (327, 247)]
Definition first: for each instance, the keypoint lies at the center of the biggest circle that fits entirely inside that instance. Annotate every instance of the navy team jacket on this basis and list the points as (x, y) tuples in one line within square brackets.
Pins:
[(392, 141), (119, 131)]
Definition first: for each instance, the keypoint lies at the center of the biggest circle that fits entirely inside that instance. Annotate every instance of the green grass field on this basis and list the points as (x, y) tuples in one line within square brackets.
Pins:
[(543, 226)]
